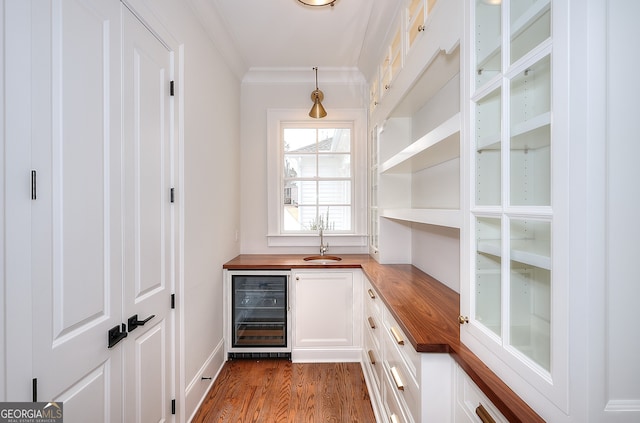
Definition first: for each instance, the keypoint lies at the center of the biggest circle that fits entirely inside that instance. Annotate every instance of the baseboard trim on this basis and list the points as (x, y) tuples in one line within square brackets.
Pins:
[(314, 355), (198, 388)]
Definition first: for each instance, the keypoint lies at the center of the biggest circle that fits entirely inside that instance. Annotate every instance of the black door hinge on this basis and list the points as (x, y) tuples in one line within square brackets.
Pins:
[(33, 185), (34, 389), (173, 301), (172, 194), (171, 89), (173, 406)]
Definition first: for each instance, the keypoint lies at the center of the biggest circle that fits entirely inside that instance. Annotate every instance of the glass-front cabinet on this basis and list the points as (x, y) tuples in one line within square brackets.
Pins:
[(512, 218), (373, 191)]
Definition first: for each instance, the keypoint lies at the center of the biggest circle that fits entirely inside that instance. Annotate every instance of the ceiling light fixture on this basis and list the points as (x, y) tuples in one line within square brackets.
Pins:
[(317, 111), (318, 2)]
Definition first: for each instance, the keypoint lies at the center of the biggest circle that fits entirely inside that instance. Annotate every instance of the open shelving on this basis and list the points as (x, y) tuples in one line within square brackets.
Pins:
[(437, 146)]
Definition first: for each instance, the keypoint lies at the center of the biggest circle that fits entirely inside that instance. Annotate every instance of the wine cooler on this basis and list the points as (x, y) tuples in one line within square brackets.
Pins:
[(259, 313)]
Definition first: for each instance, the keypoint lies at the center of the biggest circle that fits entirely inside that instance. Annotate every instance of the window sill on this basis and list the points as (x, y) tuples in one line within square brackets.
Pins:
[(353, 240)]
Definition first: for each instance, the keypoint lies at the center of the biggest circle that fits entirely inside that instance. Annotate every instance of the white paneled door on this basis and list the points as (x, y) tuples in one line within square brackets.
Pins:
[(148, 234), (101, 215), (76, 232)]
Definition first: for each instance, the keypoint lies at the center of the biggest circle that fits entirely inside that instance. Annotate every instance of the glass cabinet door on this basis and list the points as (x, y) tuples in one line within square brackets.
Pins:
[(511, 208), (373, 191)]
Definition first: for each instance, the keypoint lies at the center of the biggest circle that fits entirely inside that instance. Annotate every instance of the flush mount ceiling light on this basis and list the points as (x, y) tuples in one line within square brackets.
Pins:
[(318, 2), (317, 111)]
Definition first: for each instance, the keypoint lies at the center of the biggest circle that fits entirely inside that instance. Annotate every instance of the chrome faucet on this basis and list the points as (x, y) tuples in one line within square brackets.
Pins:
[(323, 247)]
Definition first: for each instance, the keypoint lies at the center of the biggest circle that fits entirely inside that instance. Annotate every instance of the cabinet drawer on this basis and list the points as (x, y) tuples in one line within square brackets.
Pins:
[(391, 402), (373, 325), (373, 358), (371, 299), (404, 383), (409, 354), (469, 398)]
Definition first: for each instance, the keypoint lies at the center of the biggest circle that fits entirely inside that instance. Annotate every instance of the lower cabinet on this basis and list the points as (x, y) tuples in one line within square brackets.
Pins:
[(404, 385), (471, 405), (327, 315)]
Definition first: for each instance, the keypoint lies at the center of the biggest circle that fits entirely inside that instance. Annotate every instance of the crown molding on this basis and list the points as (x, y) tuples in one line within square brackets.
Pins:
[(303, 76)]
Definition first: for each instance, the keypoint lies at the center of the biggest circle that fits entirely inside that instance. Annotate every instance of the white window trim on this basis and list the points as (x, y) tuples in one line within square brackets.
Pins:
[(274, 169)]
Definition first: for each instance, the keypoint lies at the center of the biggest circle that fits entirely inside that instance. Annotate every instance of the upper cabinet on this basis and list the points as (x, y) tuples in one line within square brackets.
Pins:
[(415, 128), (417, 12), (514, 299)]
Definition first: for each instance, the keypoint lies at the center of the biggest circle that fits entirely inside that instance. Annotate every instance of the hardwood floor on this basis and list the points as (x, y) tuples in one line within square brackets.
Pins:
[(273, 390)]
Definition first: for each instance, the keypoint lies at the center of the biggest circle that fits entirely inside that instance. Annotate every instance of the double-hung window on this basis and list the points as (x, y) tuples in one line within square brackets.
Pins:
[(316, 177)]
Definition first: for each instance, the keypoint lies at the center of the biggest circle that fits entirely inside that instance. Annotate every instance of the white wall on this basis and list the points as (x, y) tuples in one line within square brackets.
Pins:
[(282, 89)]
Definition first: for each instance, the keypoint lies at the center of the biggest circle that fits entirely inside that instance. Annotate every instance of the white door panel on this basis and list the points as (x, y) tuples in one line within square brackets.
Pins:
[(76, 219), (148, 222)]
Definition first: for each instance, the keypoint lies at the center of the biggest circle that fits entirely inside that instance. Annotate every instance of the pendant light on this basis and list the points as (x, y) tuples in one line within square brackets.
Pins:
[(317, 111), (318, 2)]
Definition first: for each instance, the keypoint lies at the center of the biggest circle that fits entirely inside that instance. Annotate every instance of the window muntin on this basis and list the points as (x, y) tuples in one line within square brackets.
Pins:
[(317, 177)]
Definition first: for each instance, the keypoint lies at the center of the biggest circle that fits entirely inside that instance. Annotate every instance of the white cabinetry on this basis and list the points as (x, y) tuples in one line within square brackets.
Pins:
[(470, 404), (327, 315), (415, 135), (405, 386), (514, 301)]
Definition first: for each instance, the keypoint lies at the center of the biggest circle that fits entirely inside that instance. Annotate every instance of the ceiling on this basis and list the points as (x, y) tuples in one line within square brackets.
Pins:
[(287, 34)]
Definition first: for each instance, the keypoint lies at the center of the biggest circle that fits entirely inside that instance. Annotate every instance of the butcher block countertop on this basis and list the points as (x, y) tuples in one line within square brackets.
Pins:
[(426, 309)]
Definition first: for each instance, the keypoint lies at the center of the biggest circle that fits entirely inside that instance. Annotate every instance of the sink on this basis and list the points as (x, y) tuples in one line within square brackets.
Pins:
[(322, 259)]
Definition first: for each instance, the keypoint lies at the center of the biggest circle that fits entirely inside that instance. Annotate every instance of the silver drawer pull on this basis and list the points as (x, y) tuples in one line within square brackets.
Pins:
[(372, 358), (394, 419), (484, 414), (397, 336), (371, 293), (372, 323), (396, 379)]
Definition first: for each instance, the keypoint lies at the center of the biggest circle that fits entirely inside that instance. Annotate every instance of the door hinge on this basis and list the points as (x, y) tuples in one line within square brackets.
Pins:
[(171, 89), (33, 185), (173, 406), (34, 389), (172, 195), (173, 301)]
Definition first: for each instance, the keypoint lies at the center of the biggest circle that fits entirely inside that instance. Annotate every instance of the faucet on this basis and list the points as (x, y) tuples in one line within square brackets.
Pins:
[(323, 247)]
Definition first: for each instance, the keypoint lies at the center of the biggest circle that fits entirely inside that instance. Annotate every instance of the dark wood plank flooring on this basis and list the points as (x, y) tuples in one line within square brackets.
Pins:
[(274, 390)]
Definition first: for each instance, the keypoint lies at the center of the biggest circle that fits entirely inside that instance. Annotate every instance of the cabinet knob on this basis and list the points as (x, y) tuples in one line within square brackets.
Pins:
[(420, 28), (463, 319), (297, 278)]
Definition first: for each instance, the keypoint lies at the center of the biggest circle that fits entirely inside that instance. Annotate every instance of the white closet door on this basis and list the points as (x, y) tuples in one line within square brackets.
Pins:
[(148, 235), (76, 215)]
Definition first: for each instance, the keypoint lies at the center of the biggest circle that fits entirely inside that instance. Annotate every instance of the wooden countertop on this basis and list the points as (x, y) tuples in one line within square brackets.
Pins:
[(426, 309)]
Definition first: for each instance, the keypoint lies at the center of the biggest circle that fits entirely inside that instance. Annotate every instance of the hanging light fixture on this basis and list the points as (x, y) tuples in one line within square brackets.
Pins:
[(317, 111), (318, 2)]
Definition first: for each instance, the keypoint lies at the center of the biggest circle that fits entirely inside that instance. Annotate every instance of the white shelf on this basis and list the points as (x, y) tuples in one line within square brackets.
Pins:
[(451, 218), (527, 130), (529, 17), (437, 146), (492, 54), (531, 134), (531, 124), (490, 142), (531, 252)]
